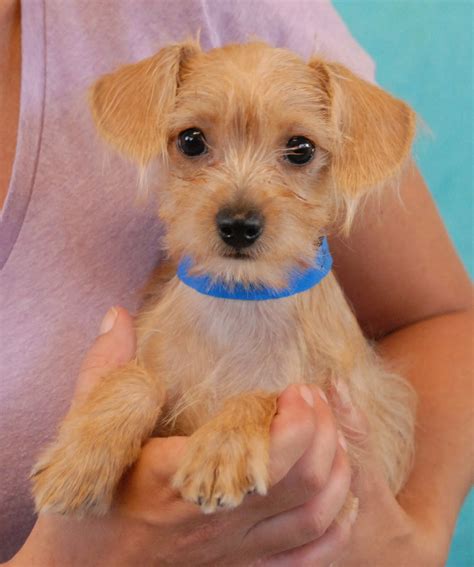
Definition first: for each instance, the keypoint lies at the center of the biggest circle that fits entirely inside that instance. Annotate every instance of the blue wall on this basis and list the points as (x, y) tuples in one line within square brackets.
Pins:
[(424, 54)]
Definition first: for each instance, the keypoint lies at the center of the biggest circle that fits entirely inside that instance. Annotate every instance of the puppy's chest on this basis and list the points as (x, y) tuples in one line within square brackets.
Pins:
[(229, 347)]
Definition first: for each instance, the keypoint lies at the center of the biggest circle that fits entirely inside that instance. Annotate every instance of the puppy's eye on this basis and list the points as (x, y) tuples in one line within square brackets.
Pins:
[(300, 150), (192, 143)]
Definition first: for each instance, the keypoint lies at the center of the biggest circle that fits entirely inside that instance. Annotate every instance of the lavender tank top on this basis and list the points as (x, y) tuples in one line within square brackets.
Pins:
[(72, 242)]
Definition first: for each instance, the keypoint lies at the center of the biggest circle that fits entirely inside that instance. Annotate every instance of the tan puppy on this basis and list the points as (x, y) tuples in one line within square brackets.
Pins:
[(263, 155)]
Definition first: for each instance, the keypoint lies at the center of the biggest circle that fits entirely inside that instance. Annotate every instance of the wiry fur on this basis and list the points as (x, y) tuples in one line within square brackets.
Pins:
[(212, 368)]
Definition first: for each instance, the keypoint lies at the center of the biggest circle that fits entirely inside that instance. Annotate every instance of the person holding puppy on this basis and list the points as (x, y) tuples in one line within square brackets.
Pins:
[(93, 248)]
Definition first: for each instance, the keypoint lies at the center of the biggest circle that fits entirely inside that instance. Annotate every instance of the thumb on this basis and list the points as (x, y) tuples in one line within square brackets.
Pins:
[(114, 347)]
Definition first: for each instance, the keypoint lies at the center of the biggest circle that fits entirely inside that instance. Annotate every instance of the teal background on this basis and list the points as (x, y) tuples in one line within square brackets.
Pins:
[(424, 54)]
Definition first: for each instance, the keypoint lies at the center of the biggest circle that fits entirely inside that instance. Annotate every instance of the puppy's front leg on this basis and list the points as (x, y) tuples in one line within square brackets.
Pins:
[(228, 456), (98, 440)]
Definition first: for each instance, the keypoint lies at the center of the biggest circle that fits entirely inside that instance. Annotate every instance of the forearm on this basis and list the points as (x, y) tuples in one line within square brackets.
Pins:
[(436, 356)]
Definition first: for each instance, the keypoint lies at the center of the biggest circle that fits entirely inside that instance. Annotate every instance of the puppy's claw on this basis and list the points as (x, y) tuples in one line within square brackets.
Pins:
[(221, 479)]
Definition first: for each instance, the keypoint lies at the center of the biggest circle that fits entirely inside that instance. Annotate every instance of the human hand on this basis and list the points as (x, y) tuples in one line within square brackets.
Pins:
[(151, 525), (388, 531)]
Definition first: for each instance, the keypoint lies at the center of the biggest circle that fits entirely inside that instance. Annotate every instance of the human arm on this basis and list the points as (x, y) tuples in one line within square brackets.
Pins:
[(444, 463), (410, 291), (416, 528)]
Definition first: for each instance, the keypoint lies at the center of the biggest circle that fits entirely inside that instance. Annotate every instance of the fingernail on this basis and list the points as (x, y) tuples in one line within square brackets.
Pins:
[(352, 516), (108, 321), (342, 440), (307, 395), (343, 393), (322, 395)]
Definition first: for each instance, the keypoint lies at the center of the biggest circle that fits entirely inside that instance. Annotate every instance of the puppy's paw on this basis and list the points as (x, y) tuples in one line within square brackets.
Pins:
[(222, 466), (73, 479)]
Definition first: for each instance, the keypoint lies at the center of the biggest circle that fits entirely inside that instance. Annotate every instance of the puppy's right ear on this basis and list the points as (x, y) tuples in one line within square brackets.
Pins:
[(131, 106)]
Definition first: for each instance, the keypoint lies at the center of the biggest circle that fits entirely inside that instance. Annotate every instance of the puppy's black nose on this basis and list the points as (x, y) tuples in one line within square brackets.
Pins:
[(238, 229)]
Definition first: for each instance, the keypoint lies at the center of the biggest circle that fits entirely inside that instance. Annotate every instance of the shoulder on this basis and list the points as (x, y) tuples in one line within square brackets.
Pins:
[(126, 31), (304, 27)]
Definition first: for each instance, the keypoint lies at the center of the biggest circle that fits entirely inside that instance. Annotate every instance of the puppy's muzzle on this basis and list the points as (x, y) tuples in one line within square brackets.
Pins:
[(239, 229)]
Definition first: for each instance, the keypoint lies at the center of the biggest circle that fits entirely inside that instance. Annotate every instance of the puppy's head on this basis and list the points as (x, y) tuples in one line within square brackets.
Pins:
[(260, 148)]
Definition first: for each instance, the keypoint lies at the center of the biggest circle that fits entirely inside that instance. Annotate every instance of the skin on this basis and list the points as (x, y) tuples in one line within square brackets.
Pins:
[(420, 310), (10, 72)]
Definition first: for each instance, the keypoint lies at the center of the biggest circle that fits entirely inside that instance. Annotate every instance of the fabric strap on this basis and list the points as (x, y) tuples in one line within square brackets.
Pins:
[(299, 281)]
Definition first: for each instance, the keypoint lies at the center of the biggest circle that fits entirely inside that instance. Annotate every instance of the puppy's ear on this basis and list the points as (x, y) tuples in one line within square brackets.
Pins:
[(131, 106), (374, 130)]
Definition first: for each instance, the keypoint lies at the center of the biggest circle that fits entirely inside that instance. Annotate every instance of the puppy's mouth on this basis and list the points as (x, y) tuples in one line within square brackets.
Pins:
[(237, 255)]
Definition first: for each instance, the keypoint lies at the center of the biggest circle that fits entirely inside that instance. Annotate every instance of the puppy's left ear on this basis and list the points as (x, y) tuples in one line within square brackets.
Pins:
[(374, 130), (131, 106)]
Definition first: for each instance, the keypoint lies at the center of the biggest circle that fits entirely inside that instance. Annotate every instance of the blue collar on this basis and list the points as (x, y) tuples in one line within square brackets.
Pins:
[(299, 280)]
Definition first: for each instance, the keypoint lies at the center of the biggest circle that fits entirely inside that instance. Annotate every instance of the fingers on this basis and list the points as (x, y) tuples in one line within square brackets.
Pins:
[(322, 552), (292, 430), (307, 522), (114, 347), (310, 472)]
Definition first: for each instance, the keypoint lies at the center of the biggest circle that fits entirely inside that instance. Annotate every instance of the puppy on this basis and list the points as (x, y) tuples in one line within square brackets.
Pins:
[(263, 154)]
